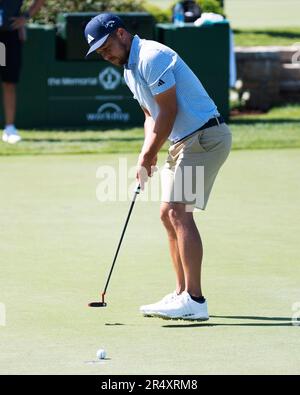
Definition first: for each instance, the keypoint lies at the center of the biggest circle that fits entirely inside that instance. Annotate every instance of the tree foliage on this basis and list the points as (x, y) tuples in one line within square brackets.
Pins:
[(51, 8)]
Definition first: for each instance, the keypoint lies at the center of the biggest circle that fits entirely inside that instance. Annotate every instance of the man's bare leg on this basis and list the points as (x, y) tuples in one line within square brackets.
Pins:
[(173, 245), (10, 102), (189, 246)]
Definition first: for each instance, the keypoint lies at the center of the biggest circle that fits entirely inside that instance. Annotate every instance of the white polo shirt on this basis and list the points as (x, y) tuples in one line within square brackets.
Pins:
[(153, 68)]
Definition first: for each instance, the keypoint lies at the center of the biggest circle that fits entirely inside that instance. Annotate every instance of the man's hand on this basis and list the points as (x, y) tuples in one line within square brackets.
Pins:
[(145, 168), (18, 22), (154, 161)]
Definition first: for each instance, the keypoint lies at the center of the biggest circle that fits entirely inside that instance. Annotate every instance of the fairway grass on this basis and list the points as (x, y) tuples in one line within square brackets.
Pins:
[(251, 37), (57, 244)]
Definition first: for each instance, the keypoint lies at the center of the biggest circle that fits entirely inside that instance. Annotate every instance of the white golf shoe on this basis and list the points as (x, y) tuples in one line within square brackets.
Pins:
[(184, 308), (11, 135), (4, 137), (152, 309)]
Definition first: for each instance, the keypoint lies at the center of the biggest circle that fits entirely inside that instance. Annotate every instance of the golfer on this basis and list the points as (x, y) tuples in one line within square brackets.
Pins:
[(177, 108)]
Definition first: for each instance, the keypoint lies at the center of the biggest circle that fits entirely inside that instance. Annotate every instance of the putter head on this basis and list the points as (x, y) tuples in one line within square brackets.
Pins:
[(97, 304)]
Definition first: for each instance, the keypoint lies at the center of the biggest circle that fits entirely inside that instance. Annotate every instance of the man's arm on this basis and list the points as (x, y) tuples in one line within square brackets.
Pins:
[(148, 128), (156, 134), (36, 6), (21, 21)]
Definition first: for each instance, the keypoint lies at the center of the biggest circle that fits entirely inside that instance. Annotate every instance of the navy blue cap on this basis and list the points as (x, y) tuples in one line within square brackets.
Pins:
[(99, 28)]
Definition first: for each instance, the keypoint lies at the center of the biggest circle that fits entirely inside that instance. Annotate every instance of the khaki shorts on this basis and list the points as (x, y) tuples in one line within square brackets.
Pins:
[(192, 166)]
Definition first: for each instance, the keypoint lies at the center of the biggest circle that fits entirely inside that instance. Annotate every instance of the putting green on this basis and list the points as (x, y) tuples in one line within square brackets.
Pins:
[(57, 243)]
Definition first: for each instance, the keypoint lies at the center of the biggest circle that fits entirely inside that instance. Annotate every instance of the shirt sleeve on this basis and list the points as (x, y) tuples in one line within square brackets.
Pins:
[(158, 72)]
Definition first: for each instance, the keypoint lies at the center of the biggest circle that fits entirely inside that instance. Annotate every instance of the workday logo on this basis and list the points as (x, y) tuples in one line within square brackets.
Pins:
[(109, 112), (109, 78), (2, 55)]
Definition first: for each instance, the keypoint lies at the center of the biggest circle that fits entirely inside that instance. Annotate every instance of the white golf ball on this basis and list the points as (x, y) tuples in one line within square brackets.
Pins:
[(101, 354)]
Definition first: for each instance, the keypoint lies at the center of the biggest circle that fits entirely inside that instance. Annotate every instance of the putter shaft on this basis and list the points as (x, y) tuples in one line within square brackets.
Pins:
[(136, 192)]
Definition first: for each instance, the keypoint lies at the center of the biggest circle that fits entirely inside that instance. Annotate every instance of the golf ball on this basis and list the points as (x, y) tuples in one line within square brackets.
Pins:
[(101, 354)]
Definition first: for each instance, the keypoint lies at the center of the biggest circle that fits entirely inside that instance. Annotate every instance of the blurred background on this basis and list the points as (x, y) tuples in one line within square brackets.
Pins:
[(248, 61)]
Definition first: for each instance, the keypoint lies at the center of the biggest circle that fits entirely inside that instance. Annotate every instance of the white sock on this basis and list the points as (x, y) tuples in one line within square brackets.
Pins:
[(10, 129)]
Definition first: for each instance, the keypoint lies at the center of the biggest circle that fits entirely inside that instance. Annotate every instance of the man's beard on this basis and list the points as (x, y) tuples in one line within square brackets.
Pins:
[(124, 59)]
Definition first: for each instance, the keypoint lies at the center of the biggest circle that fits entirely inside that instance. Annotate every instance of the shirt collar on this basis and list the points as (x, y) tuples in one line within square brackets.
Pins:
[(134, 51)]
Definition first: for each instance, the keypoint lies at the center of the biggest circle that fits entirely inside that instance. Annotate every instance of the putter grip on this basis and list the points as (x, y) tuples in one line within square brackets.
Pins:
[(138, 189)]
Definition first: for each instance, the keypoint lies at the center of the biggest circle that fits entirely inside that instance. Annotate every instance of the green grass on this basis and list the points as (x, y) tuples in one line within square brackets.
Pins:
[(268, 36), (277, 129), (57, 242), (75, 142), (262, 13)]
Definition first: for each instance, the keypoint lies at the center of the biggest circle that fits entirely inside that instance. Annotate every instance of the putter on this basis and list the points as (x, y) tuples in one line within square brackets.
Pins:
[(103, 303)]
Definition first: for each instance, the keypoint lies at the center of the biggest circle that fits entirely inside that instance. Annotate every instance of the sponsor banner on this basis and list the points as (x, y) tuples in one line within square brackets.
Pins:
[(109, 112), (109, 79)]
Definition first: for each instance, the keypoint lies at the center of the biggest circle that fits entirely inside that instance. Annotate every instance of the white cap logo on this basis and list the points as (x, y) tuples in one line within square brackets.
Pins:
[(110, 24), (90, 38)]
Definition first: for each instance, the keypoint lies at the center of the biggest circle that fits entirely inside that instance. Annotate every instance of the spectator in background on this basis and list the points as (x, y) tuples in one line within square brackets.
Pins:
[(12, 35), (192, 11)]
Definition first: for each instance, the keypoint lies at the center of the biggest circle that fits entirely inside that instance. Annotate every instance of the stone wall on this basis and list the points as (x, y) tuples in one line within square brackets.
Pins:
[(270, 74)]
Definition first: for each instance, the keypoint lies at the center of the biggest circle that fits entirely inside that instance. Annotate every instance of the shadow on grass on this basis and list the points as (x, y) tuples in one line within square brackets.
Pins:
[(245, 317), (99, 361), (208, 325), (204, 324)]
